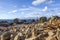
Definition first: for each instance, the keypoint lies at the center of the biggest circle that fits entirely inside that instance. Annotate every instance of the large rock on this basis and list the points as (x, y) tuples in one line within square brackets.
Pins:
[(41, 36), (58, 34), (5, 36), (42, 19), (54, 38), (19, 36)]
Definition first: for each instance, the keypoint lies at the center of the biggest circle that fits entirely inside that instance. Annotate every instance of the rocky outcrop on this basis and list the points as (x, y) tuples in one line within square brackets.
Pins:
[(5, 36), (45, 30)]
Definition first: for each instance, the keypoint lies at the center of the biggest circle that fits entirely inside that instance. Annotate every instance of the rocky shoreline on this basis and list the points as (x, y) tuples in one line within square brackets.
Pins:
[(49, 30)]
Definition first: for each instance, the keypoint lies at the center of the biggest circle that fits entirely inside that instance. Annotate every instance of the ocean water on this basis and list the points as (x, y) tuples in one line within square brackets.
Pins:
[(11, 20), (8, 20)]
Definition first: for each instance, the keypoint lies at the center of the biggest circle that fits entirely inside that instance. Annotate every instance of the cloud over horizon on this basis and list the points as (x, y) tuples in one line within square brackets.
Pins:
[(31, 9), (38, 2)]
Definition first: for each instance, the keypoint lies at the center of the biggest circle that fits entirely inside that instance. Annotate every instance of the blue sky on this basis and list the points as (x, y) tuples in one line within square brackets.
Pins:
[(10, 9)]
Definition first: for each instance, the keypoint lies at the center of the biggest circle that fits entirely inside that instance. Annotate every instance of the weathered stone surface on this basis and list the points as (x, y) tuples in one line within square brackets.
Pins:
[(46, 30), (19, 36), (5, 36)]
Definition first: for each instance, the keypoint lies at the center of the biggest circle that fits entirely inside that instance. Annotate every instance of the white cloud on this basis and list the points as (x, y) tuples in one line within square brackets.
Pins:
[(32, 11), (24, 9), (36, 2), (45, 9), (58, 14), (13, 11), (50, 2)]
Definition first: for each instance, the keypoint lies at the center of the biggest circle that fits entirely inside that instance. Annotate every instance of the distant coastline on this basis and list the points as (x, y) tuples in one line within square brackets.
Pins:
[(11, 20)]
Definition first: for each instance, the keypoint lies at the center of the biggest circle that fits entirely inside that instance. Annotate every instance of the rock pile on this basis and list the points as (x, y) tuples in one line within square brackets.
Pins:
[(46, 30)]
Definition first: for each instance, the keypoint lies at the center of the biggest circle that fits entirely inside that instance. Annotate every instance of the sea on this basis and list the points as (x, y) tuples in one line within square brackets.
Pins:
[(11, 20)]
